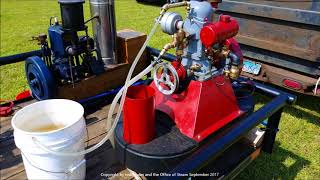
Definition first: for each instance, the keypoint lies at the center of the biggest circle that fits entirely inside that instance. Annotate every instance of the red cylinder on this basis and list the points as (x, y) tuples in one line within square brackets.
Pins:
[(139, 115), (218, 32), (182, 73)]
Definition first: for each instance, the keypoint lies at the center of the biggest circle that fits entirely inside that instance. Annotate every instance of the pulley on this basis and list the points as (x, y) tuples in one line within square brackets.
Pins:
[(40, 79)]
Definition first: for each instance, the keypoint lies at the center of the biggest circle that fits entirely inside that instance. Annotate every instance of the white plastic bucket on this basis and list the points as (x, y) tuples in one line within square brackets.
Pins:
[(68, 136)]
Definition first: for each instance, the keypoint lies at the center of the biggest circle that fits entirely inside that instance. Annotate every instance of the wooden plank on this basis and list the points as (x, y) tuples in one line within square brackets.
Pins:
[(280, 47), (103, 160), (129, 43), (111, 79), (5, 122), (12, 171), (18, 176)]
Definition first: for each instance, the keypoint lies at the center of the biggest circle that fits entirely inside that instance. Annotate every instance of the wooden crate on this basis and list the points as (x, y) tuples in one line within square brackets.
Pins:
[(130, 41)]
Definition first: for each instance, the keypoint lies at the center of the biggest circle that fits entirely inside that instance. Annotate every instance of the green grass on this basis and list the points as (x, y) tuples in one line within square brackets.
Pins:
[(297, 149)]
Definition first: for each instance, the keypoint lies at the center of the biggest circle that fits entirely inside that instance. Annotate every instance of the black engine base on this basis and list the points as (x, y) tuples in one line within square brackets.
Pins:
[(170, 146)]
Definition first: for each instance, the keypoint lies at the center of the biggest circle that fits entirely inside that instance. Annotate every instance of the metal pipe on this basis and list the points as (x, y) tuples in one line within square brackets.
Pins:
[(156, 52), (168, 6), (234, 58), (104, 30), (19, 57), (291, 99)]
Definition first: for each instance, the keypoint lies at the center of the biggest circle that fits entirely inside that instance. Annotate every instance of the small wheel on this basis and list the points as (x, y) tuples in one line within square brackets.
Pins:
[(166, 78), (40, 79)]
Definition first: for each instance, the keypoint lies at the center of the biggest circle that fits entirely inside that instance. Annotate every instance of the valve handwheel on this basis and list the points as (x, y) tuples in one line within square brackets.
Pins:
[(166, 78)]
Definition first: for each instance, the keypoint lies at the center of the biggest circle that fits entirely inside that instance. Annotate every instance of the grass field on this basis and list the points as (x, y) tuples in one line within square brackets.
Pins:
[(297, 150)]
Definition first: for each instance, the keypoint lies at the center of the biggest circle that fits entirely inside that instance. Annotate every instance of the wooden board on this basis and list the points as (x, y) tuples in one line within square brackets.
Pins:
[(109, 80), (129, 43)]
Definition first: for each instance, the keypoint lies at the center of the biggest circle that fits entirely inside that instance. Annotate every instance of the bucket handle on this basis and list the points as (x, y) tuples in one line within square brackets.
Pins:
[(67, 173)]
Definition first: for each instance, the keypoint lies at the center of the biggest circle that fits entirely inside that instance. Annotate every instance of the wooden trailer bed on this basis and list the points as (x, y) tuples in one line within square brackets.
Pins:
[(101, 161)]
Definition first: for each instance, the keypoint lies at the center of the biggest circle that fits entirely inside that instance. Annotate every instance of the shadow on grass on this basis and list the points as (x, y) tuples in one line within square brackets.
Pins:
[(281, 164), (299, 109), (306, 102), (303, 115)]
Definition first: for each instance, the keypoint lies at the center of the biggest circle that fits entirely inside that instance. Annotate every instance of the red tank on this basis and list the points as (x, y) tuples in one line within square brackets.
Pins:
[(218, 32)]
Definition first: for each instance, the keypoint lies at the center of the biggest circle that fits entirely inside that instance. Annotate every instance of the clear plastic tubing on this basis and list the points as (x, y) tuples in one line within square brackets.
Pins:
[(122, 92)]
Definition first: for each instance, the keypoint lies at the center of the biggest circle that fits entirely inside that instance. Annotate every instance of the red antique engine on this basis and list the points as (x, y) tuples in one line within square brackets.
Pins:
[(193, 95), (195, 90)]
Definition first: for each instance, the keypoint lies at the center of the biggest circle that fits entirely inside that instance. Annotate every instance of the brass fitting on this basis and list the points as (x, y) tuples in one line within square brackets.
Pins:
[(234, 72), (166, 48), (217, 54), (225, 52), (41, 38), (226, 72), (195, 67), (177, 42), (215, 1)]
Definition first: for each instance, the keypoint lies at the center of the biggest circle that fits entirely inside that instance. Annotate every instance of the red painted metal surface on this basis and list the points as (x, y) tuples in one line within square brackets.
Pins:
[(23, 95), (139, 115), (220, 31), (182, 73), (215, 3), (201, 109), (6, 110), (235, 48)]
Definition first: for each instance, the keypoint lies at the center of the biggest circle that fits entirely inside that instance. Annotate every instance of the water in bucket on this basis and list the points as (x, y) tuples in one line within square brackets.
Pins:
[(48, 128), (58, 124)]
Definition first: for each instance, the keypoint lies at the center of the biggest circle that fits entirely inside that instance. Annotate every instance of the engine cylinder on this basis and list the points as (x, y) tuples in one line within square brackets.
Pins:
[(104, 29), (72, 15), (213, 33)]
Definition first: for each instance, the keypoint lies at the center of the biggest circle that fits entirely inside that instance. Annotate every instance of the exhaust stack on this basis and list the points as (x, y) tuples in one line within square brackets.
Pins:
[(104, 30)]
